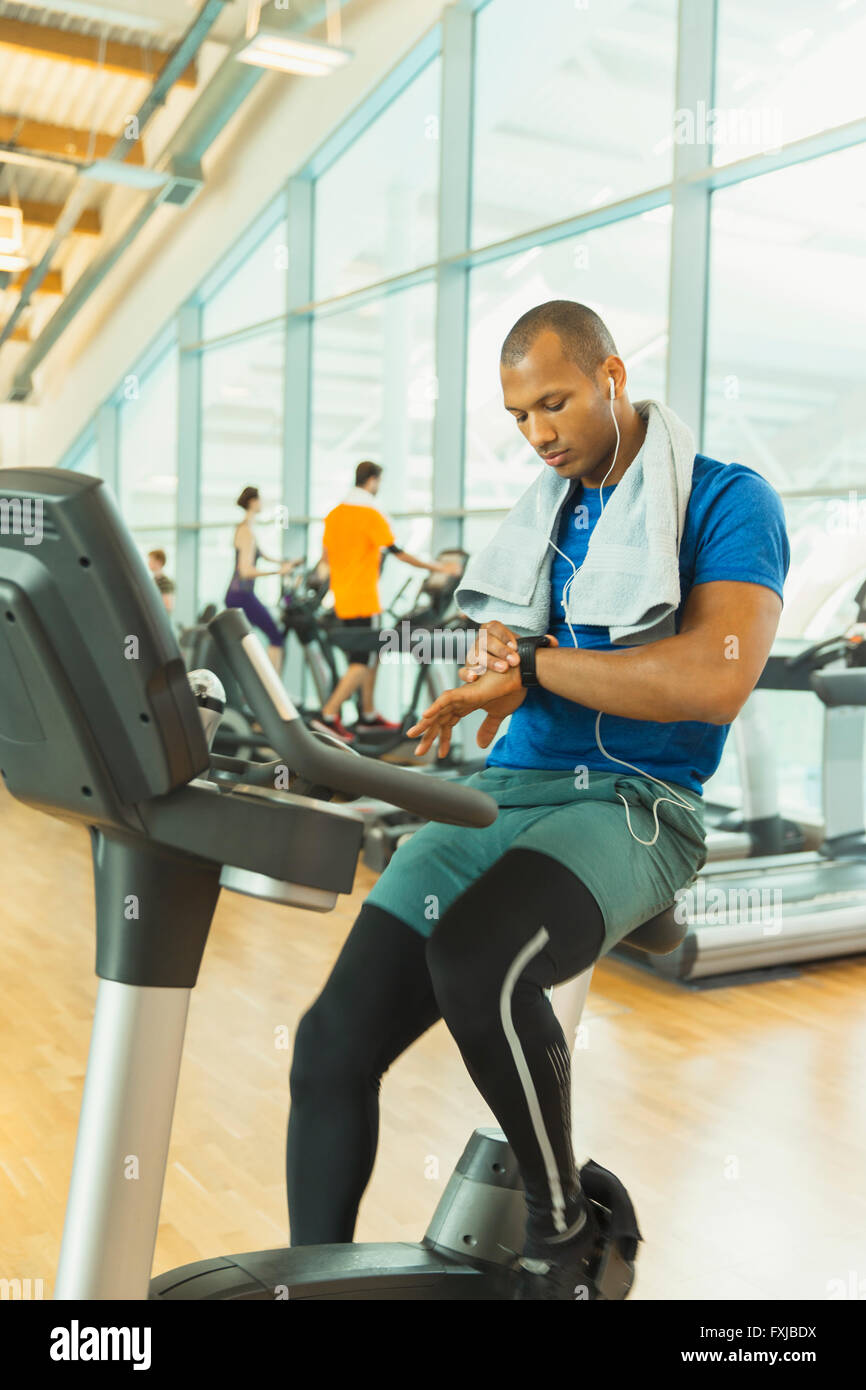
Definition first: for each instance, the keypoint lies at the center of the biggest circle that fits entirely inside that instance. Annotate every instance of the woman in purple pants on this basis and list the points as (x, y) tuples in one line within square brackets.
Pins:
[(241, 590)]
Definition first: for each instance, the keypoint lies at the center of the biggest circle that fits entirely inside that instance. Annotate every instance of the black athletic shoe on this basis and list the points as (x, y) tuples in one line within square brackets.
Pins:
[(562, 1271)]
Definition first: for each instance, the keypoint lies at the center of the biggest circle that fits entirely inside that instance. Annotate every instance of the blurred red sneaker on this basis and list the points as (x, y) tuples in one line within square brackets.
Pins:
[(324, 725), (375, 723)]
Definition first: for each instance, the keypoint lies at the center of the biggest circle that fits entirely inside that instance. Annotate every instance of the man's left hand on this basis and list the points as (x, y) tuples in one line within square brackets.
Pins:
[(499, 695)]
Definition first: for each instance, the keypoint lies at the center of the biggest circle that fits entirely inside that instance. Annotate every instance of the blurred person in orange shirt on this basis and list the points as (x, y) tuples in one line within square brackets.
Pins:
[(356, 534)]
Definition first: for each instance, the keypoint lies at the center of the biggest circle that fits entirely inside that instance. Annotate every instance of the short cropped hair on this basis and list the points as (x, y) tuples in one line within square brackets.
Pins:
[(586, 339), (365, 471)]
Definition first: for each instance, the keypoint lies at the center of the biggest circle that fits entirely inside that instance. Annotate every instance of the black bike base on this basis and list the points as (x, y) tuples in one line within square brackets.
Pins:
[(380, 1271), (373, 1271), (482, 1210)]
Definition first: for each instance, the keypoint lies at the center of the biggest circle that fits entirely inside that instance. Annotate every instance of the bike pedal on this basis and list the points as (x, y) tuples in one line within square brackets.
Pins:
[(611, 1274)]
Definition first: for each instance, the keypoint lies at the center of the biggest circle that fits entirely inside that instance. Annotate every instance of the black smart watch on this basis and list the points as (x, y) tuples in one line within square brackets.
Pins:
[(526, 649)]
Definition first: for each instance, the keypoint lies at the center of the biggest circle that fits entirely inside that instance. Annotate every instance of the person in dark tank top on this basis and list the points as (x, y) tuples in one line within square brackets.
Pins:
[(241, 591)]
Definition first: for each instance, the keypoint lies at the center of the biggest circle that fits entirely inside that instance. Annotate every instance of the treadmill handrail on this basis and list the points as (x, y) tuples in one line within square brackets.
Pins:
[(839, 688)]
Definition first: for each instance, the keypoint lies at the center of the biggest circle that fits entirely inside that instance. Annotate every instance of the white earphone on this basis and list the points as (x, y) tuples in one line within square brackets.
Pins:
[(673, 798)]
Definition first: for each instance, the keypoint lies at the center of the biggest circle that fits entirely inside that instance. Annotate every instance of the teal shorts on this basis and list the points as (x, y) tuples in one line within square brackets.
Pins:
[(584, 827)]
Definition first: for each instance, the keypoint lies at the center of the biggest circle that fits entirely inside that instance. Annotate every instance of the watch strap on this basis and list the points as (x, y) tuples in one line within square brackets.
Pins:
[(526, 650)]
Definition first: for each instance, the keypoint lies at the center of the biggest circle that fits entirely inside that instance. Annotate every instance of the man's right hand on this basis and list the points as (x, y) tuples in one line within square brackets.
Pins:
[(494, 648)]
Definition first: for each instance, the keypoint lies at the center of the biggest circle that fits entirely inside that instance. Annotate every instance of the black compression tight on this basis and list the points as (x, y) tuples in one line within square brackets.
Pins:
[(524, 925)]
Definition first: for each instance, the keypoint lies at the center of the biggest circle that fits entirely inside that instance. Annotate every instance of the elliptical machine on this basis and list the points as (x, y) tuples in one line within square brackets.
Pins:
[(100, 724)]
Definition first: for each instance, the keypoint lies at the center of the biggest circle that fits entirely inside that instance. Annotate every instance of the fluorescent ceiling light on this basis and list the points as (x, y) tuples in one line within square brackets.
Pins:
[(116, 171), (59, 164), (272, 47), (11, 230), (14, 263)]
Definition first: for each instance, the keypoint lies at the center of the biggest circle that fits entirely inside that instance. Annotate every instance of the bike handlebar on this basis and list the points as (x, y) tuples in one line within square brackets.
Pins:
[(411, 791)]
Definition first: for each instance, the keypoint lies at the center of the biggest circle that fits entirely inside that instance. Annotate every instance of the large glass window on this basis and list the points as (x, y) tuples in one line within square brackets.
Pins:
[(374, 397), (794, 723), (160, 538), (83, 457), (256, 291), (148, 445), (621, 272), (787, 358), (574, 108), (376, 207), (242, 444), (785, 69)]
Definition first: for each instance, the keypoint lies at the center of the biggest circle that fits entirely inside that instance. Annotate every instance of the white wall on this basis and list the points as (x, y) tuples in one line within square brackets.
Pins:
[(284, 120), (17, 427)]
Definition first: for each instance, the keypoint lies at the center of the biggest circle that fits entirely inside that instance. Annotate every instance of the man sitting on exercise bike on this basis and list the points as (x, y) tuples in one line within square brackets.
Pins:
[(658, 632)]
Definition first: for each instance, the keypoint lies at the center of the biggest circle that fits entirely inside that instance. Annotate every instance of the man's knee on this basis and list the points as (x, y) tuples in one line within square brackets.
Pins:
[(324, 1053), (462, 971)]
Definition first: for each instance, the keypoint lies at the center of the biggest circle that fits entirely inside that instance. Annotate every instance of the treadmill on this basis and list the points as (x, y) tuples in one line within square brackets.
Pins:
[(784, 909), (759, 828)]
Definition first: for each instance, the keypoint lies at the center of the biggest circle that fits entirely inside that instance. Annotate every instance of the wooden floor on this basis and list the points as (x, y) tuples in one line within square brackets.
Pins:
[(736, 1116)]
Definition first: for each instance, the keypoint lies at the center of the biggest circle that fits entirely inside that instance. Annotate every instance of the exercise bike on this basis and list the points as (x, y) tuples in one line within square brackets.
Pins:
[(120, 745), (301, 597)]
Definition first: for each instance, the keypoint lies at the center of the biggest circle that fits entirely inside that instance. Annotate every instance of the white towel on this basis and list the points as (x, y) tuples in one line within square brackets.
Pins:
[(629, 581)]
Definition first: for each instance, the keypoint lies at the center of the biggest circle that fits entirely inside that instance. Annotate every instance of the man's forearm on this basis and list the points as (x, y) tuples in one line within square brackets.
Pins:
[(662, 681), (413, 560)]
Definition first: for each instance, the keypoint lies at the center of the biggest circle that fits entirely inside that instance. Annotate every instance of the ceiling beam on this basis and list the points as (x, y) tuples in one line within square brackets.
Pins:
[(38, 214), (52, 284), (88, 50), (61, 140)]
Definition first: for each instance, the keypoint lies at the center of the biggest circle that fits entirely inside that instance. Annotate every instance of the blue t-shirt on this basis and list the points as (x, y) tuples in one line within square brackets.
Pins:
[(734, 530)]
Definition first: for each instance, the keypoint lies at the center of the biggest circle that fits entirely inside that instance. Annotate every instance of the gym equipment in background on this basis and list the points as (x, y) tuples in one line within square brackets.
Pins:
[(301, 598), (322, 640), (758, 826), (430, 619), (99, 724), (751, 914)]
